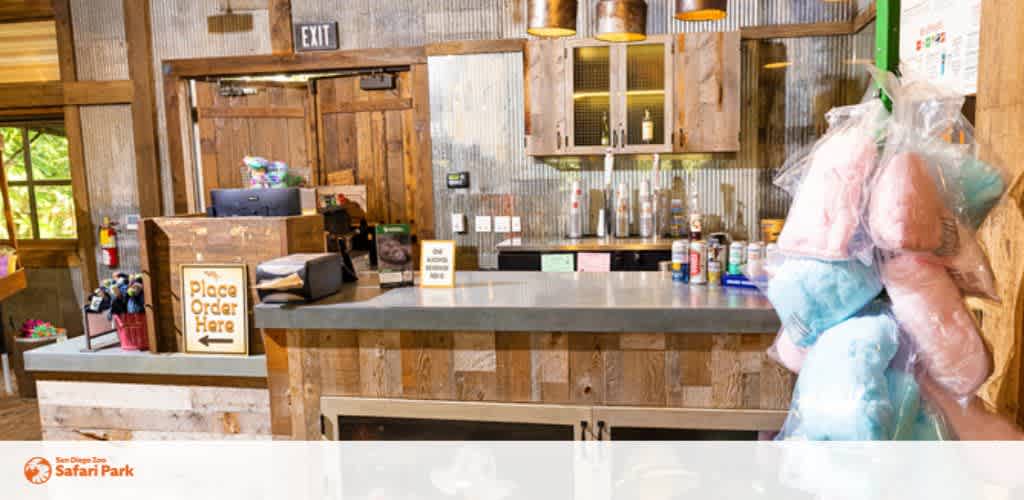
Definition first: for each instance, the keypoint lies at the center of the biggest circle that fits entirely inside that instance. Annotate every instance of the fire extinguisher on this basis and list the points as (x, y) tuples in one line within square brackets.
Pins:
[(108, 243)]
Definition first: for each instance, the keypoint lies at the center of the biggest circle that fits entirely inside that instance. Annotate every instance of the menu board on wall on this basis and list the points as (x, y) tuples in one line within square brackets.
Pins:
[(939, 41), (215, 303)]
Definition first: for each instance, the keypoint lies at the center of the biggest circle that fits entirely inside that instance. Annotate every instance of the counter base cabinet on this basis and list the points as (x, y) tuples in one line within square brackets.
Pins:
[(106, 411), (653, 370)]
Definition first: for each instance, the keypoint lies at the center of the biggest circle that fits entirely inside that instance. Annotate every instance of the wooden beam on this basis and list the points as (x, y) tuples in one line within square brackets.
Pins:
[(144, 120), (476, 47), (280, 14), (290, 63), (26, 10), (364, 106), (865, 17), (71, 93), (252, 112), (76, 149), (176, 110), (796, 30)]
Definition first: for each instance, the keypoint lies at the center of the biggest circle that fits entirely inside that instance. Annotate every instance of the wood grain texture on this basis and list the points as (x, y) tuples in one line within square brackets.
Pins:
[(280, 20), (865, 17), (545, 75), (100, 410), (18, 10), (291, 63), (1000, 105), (139, 42), (463, 47), (172, 241), (19, 420), (797, 30), (28, 52), (707, 80)]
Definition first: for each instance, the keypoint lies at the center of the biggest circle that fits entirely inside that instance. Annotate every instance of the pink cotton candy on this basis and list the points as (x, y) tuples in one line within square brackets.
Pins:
[(906, 211), (930, 309), (787, 353), (825, 213)]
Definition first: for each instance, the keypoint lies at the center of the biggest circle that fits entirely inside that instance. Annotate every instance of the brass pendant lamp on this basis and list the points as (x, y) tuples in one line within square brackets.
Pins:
[(552, 18), (700, 10), (621, 20)]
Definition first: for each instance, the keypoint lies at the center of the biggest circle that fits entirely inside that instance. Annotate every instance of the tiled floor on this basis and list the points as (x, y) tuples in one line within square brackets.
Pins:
[(19, 420)]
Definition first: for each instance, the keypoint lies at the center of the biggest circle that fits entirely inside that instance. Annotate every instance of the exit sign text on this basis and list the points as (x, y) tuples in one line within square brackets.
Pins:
[(316, 36)]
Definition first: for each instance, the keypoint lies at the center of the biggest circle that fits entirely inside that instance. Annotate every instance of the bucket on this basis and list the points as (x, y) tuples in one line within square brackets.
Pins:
[(131, 330)]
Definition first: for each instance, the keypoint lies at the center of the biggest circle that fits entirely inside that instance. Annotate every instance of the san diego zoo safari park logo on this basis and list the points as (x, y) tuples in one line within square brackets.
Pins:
[(39, 470)]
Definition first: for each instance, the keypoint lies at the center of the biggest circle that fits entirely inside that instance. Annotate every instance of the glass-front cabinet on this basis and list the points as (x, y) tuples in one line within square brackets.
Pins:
[(667, 94), (620, 97)]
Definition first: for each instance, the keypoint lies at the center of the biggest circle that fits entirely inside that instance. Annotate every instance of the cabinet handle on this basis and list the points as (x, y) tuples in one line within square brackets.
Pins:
[(682, 138), (566, 140), (558, 140)]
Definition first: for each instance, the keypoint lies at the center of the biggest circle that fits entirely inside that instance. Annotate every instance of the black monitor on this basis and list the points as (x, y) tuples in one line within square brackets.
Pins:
[(277, 202)]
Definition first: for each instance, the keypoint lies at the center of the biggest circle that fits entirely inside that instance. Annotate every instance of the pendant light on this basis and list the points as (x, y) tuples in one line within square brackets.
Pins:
[(700, 10), (552, 18), (621, 20)]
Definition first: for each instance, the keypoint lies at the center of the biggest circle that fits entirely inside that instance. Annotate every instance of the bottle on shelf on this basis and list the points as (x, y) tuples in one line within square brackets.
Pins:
[(696, 216), (647, 128), (605, 131), (622, 211), (646, 221)]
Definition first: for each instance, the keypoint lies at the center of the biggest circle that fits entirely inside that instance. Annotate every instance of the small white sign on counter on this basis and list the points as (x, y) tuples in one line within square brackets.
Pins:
[(502, 224), (215, 306), (437, 264), (483, 223)]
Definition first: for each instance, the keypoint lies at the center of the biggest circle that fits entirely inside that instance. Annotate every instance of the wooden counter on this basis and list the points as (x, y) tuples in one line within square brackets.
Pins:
[(679, 377)]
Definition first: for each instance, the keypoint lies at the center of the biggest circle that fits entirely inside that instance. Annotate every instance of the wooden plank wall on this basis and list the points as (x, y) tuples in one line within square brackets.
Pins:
[(728, 371), (1000, 108), (28, 52), (120, 411)]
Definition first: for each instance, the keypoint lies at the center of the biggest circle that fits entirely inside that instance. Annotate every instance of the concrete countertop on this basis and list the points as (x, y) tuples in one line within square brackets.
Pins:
[(67, 357), (535, 301), (587, 244)]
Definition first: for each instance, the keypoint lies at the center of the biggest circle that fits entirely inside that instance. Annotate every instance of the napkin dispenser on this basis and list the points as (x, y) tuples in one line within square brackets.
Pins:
[(301, 277)]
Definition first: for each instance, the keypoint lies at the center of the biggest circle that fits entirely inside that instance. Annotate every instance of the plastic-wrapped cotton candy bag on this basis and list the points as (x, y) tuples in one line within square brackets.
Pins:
[(930, 309), (824, 221), (812, 295)]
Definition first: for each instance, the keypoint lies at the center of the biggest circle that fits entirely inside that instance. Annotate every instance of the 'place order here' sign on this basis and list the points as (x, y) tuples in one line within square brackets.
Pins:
[(215, 305)]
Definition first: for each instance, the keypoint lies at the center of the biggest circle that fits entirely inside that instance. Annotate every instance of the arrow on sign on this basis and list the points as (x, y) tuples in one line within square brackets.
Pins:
[(206, 341)]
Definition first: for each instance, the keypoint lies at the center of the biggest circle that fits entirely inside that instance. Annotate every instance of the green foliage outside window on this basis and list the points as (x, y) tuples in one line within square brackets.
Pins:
[(41, 200)]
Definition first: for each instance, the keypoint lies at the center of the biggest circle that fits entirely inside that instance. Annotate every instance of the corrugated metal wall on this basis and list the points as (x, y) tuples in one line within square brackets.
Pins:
[(100, 54), (477, 126), (179, 32)]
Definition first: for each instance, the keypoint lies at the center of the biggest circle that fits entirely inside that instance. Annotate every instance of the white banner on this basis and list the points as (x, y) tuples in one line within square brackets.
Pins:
[(510, 470)]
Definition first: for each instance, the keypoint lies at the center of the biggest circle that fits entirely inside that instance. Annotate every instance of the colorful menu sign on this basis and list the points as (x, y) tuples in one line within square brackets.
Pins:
[(215, 305), (939, 41), (557, 263)]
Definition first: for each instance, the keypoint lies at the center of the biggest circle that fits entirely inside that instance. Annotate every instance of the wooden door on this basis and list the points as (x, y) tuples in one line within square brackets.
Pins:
[(545, 97), (274, 121), (369, 138), (707, 79), (590, 97)]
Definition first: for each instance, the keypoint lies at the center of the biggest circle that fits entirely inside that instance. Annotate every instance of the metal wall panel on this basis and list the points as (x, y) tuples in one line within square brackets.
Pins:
[(110, 158), (179, 32), (100, 49)]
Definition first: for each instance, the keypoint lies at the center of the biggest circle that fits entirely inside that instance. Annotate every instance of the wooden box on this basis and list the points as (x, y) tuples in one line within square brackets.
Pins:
[(168, 242)]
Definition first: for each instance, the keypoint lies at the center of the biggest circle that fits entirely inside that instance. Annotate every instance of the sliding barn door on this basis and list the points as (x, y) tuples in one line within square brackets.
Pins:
[(273, 120), (369, 137)]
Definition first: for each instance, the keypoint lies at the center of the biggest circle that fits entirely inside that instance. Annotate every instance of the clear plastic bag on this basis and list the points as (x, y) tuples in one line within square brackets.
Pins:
[(786, 353), (827, 184), (812, 295), (931, 310)]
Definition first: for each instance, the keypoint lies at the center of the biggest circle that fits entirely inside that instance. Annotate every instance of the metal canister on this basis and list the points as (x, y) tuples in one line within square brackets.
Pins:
[(698, 263), (737, 253), (681, 261), (755, 259)]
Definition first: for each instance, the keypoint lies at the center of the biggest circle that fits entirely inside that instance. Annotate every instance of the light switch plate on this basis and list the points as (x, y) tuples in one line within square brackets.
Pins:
[(483, 223), (458, 223), (502, 224), (131, 222), (517, 225)]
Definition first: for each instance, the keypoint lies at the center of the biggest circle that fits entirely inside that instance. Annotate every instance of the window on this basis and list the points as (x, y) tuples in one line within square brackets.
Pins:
[(39, 180)]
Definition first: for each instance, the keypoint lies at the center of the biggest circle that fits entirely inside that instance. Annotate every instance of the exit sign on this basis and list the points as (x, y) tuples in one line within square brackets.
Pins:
[(316, 36)]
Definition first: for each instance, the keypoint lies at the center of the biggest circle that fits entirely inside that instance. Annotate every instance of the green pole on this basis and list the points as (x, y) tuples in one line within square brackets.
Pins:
[(887, 39)]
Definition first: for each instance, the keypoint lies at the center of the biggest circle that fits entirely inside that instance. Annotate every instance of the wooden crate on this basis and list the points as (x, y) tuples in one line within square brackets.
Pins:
[(168, 242)]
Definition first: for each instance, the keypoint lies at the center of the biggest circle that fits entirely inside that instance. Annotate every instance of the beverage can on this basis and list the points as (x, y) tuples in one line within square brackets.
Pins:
[(755, 261), (714, 272), (737, 251), (681, 261), (698, 263), (770, 250)]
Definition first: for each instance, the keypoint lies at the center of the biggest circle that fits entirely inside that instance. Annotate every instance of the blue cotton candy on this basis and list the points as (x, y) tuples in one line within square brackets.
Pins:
[(813, 295), (982, 186), (842, 393)]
